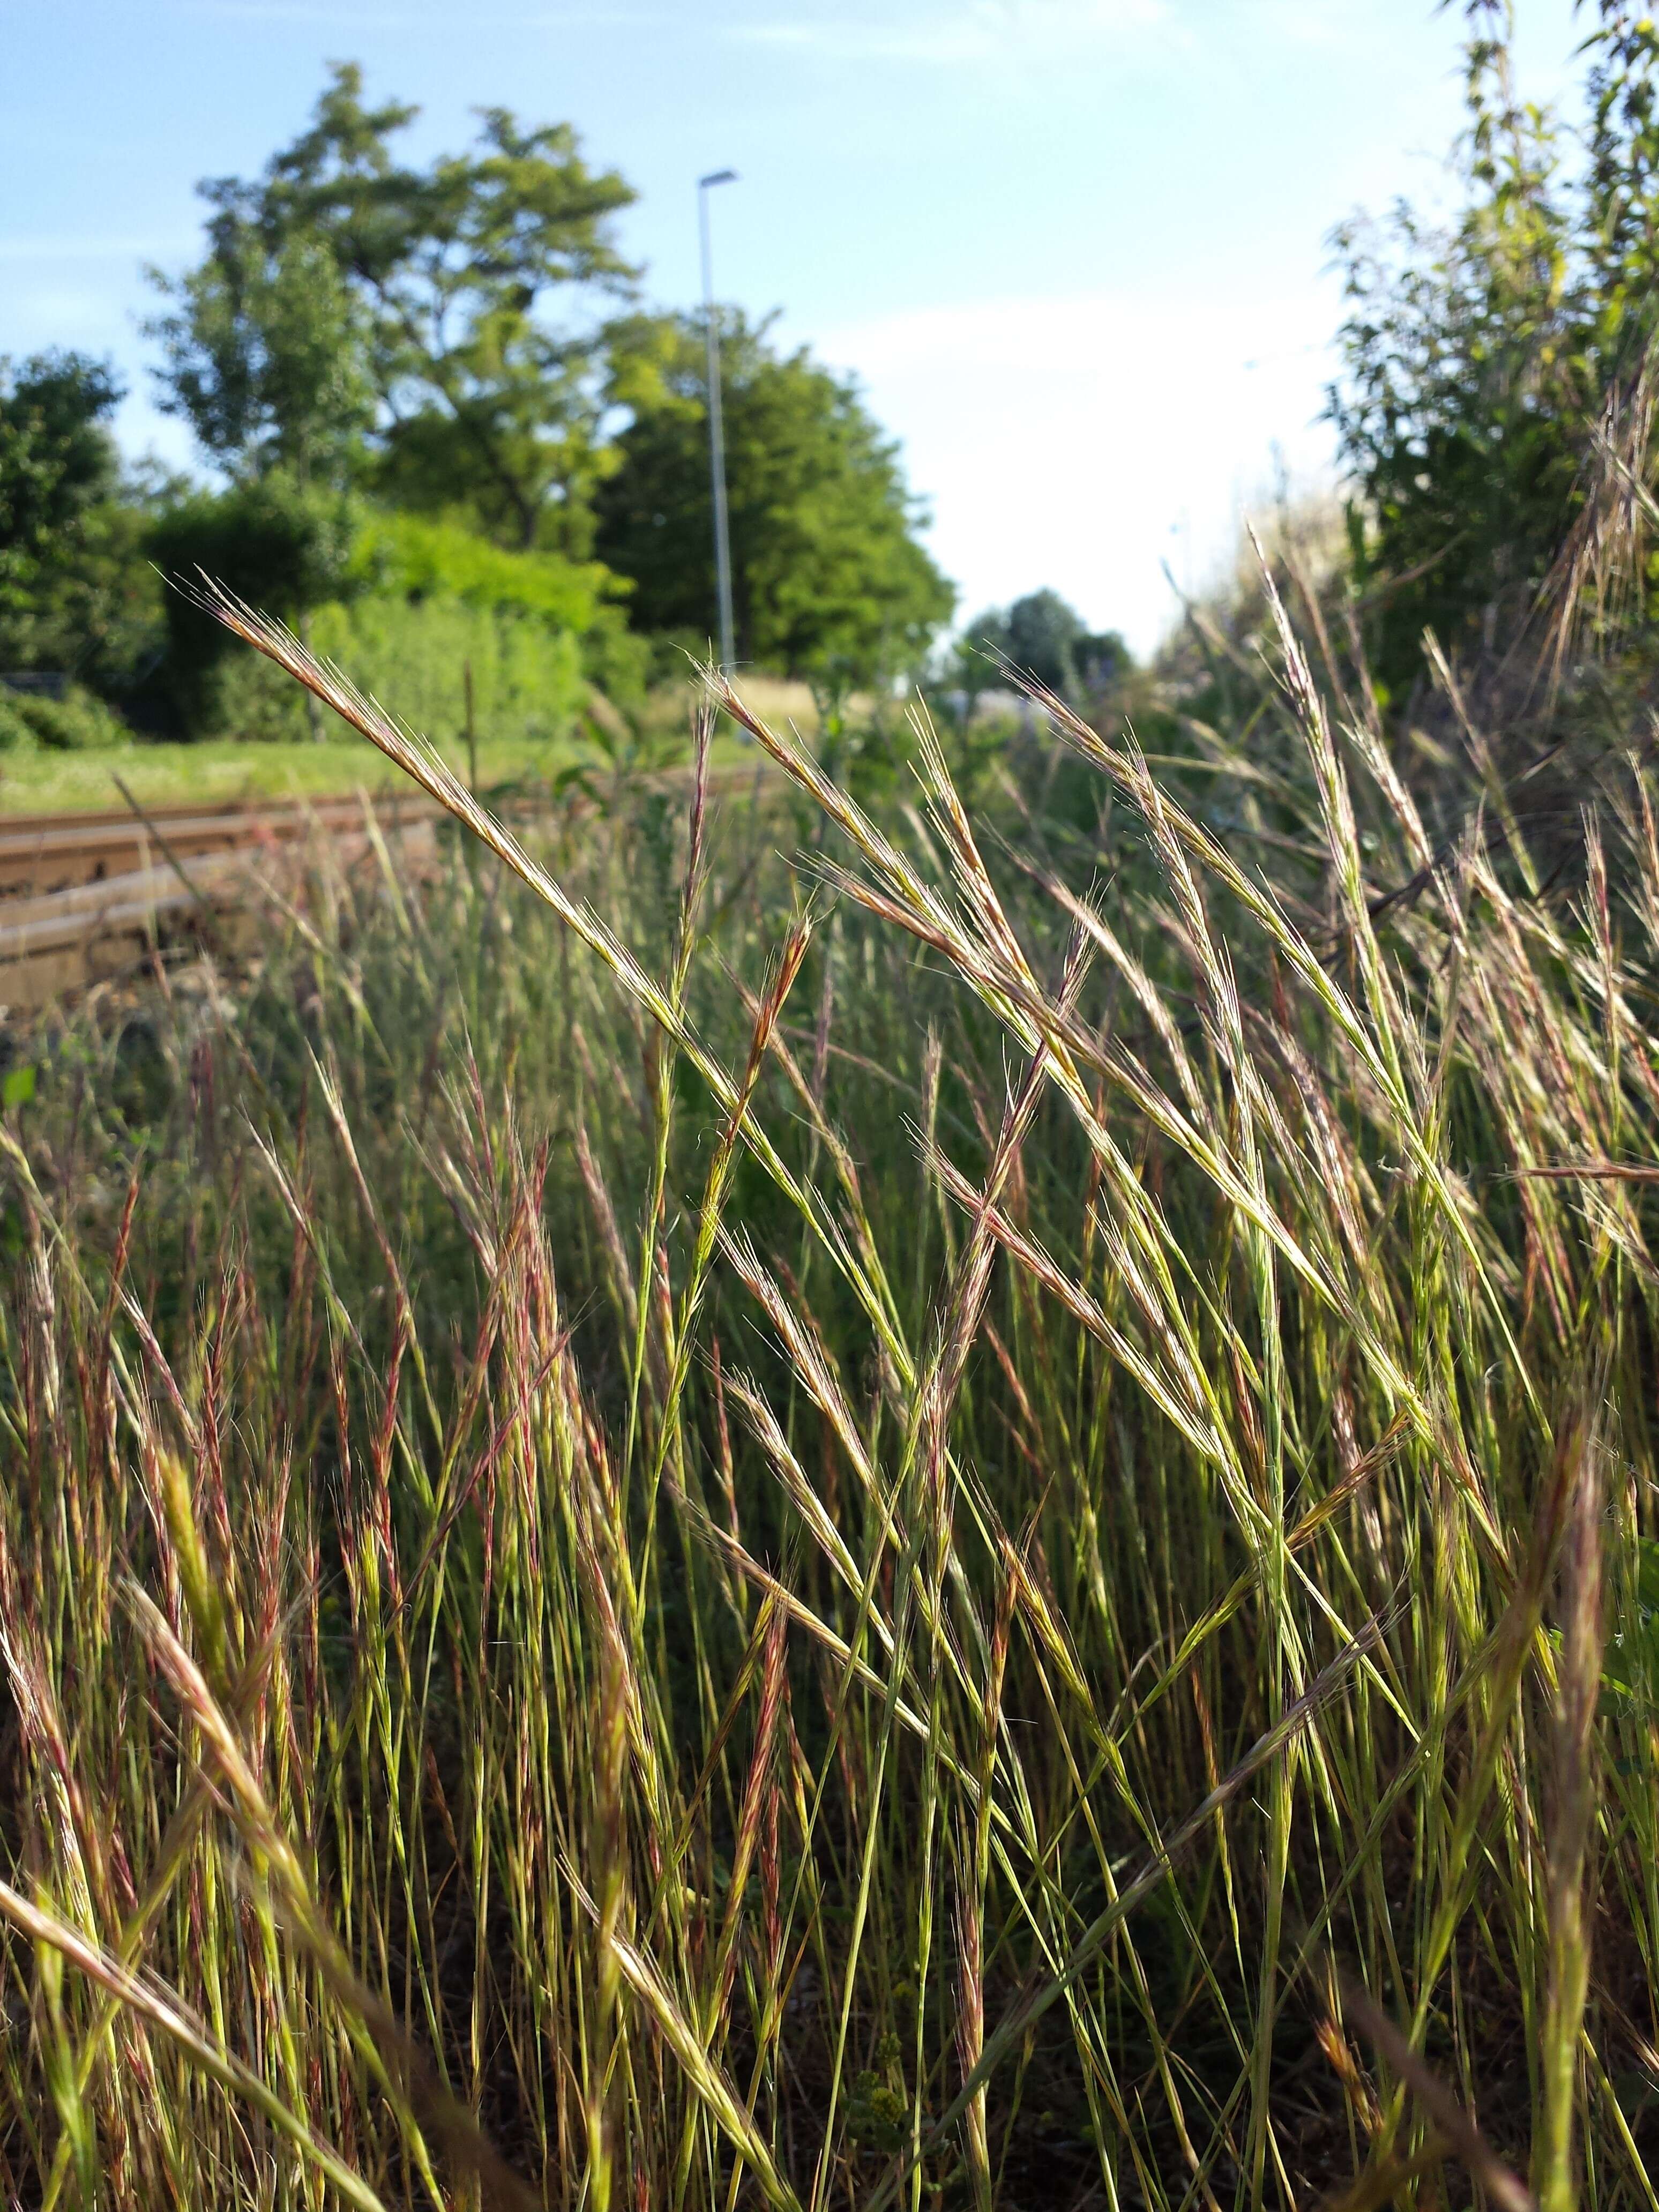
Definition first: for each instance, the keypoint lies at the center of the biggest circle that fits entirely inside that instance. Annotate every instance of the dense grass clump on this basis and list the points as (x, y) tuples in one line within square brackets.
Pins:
[(966, 1523)]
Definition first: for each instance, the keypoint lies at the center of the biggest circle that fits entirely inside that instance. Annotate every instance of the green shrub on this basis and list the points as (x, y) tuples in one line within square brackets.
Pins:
[(280, 546), (425, 561), (253, 705), (16, 735), (672, 654), (1492, 405), (620, 661), (528, 679), (77, 722), (408, 610), (95, 609), (420, 559)]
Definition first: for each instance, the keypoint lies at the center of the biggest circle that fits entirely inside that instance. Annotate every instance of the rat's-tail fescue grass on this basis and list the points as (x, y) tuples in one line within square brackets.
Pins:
[(968, 1523)]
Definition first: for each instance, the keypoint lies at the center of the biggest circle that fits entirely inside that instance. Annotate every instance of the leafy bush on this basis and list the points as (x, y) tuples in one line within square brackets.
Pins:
[(426, 561), (1495, 400), (527, 677), (420, 559), (16, 735), (96, 609), (79, 721), (409, 605), (276, 543), (620, 661)]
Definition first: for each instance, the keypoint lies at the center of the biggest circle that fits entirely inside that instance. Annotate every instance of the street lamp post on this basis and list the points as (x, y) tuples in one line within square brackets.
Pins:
[(716, 433)]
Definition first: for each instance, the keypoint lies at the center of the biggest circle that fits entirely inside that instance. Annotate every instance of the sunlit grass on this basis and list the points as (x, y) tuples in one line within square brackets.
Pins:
[(942, 1525), (45, 782)]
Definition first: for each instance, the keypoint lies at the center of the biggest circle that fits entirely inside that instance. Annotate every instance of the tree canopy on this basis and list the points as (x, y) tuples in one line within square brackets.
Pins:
[(425, 382), (1041, 635), (76, 593), (265, 354), (57, 459), (828, 573), (465, 296)]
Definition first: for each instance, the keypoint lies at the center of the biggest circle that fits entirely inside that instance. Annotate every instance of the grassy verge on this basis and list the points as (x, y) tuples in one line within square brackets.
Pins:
[(53, 782), (671, 1534), (47, 782)]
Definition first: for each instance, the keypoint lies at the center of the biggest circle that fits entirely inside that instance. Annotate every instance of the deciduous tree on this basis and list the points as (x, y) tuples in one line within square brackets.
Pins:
[(57, 458), (1042, 635), (265, 354), (829, 575), (484, 283)]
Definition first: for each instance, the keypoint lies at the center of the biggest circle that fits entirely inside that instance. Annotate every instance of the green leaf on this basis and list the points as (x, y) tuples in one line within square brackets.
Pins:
[(1629, 1666), (18, 1087), (1647, 1575)]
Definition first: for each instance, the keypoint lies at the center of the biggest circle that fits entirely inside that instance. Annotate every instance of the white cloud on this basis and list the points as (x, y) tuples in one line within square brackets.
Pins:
[(1309, 22), (347, 15), (58, 313), (976, 32), (56, 250), (142, 429), (1075, 441), (423, 14)]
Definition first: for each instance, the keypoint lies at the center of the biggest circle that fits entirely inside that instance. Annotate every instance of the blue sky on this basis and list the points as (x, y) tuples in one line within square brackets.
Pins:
[(1075, 249)]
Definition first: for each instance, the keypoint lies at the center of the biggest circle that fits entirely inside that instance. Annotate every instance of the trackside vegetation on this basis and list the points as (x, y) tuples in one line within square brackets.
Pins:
[(990, 1545), (916, 1471)]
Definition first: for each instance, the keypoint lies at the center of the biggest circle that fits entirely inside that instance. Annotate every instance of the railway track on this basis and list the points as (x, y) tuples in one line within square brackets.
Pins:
[(84, 897)]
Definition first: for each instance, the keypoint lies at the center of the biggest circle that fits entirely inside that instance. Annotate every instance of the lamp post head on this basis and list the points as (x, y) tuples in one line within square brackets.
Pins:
[(717, 177)]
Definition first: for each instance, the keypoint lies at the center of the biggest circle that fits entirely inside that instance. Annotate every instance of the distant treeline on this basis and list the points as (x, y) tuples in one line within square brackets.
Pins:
[(442, 429), (439, 426)]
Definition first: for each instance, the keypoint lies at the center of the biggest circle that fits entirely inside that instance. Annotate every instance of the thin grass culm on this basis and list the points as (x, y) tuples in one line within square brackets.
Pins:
[(859, 1501)]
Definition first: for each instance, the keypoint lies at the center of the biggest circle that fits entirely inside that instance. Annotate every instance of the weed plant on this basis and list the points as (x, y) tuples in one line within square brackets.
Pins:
[(967, 1522)]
